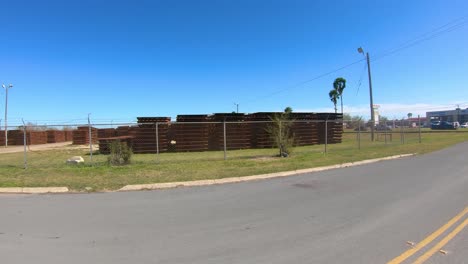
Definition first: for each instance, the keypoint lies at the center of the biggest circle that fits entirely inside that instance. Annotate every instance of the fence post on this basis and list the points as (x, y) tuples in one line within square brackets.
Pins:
[(224, 139), (90, 140), (402, 141), (419, 127), (25, 143), (156, 125), (280, 139), (359, 134), (404, 132), (326, 134)]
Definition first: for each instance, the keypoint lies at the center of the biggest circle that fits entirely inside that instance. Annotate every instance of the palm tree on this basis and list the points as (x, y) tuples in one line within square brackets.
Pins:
[(334, 97), (339, 85), (410, 115)]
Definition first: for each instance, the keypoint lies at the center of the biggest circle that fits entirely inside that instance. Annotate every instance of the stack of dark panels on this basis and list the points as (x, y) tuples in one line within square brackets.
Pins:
[(334, 127), (126, 131), (12, 135), (36, 137), (145, 136), (190, 133), (104, 143), (106, 133), (55, 136), (304, 128), (32, 137), (122, 131), (237, 134), (2, 137), (81, 135), (260, 123), (68, 135)]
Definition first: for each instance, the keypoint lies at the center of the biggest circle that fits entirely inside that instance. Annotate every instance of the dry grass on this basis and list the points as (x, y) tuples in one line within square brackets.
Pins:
[(48, 167)]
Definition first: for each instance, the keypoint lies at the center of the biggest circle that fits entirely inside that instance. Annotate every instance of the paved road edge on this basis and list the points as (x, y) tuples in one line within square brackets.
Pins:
[(168, 185), (34, 190)]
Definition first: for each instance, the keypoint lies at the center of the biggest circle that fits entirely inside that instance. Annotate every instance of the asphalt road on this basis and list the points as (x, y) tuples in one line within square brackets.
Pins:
[(363, 214)]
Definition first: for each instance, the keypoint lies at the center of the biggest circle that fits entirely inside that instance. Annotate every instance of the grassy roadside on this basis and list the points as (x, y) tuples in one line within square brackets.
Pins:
[(48, 168)]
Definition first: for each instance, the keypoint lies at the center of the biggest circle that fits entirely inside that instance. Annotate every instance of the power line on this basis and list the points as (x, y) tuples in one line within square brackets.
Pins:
[(424, 37), (455, 21), (307, 81), (360, 78), (446, 28)]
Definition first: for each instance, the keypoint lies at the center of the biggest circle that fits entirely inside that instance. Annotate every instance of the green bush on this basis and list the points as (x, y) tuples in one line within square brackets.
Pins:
[(120, 153), (281, 134)]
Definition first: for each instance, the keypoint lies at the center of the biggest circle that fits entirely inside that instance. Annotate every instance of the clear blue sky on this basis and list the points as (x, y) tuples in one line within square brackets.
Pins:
[(121, 59)]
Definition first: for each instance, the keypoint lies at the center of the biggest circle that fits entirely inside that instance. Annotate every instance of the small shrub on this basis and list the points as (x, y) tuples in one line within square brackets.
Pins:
[(120, 153), (281, 134)]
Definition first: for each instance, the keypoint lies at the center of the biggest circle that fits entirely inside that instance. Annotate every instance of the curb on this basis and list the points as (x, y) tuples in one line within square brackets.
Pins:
[(34, 190), (168, 185)]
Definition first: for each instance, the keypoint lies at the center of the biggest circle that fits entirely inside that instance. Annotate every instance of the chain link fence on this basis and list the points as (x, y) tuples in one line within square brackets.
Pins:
[(192, 138)]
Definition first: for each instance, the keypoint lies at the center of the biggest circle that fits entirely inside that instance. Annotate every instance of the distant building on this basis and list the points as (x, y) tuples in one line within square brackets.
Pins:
[(376, 114), (414, 122), (460, 115)]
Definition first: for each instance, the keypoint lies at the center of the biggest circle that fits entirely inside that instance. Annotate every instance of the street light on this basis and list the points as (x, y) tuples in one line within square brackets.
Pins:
[(237, 105), (360, 50), (6, 111)]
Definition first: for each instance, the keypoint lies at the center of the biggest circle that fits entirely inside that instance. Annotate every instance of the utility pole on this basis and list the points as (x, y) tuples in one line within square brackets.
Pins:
[(6, 111), (360, 50)]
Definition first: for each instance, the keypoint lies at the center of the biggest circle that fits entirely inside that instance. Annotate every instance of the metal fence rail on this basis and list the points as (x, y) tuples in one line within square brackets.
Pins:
[(148, 140)]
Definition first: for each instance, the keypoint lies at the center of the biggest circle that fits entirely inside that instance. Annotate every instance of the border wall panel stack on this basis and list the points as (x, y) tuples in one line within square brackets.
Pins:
[(260, 138), (2, 137), (32, 137), (238, 135), (12, 136), (334, 128), (122, 133), (305, 129), (191, 136), (106, 132), (55, 136), (68, 135), (145, 134), (104, 143), (81, 135)]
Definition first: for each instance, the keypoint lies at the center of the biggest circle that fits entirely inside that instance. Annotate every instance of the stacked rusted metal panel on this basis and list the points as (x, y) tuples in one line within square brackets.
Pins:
[(122, 131), (261, 123), (105, 136), (125, 134), (304, 128), (126, 131), (334, 127), (145, 134), (106, 132), (68, 135), (55, 136), (32, 137), (2, 137), (81, 135), (105, 142), (238, 132), (191, 133), (12, 135)]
